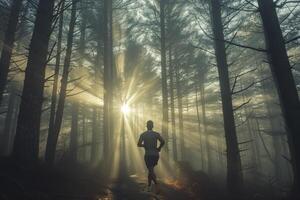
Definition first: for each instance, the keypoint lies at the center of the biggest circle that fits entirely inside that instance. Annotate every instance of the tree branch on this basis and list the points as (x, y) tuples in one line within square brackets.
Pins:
[(243, 104)]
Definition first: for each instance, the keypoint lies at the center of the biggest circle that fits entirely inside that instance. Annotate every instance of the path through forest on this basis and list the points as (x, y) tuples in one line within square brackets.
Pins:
[(69, 181), (43, 183), (134, 188)]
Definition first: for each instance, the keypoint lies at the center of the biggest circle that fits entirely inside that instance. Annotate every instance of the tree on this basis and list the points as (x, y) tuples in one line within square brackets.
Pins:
[(165, 117), (108, 76), (7, 131), (55, 83), (53, 137), (234, 171), (180, 110), (8, 43), (172, 103), (74, 133), (283, 77), (26, 143)]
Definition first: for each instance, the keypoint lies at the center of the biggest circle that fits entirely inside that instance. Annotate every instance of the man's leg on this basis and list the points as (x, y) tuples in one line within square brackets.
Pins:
[(152, 176), (149, 177)]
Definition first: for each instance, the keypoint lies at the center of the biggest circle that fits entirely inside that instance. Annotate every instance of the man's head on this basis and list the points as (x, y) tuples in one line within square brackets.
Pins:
[(149, 125)]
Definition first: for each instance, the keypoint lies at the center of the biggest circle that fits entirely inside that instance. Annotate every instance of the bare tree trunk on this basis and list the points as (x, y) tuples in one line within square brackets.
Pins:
[(14, 124), (108, 75), (52, 140), (74, 133), (256, 132), (26, 144), (83, 132), (7, 131), (234, 171), (94, 136), (273, 130), (283, 77), (8, 44), (164, 73), (199, 127), (204, 123), (96, 117), (171, 74), (254, 157), (81, 51), (55, 85), (180, 112)]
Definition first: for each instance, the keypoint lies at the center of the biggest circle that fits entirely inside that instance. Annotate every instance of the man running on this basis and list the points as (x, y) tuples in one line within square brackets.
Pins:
[(148, 140)]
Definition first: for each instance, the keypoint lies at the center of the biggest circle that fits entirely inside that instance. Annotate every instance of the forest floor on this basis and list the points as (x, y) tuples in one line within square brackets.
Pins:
[(79, 182), (134, 188)]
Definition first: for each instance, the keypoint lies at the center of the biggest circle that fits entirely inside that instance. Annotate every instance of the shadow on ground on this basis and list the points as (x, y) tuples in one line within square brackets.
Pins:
[(73, 181)]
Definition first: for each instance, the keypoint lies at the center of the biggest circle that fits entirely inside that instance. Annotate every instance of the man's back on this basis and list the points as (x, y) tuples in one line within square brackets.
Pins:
[(149, 139)]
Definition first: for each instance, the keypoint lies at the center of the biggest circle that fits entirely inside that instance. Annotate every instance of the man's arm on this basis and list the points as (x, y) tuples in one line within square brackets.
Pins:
[(162, 142), (140, 142)]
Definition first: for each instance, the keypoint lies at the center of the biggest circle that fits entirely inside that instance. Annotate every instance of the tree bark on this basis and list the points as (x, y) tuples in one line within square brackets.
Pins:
[(96, 114), (256, 132), (254, 156), (74, 133), (284, 81), (164, 73), (26, 144), (95, 131), (204, 123), (52, 139), (234, 171), (55, 85), (172, 102), (75, 105), (199, 127), (7, 131), (108, 75), (8, 44), (83, 131), (180, 112), (275, 126)]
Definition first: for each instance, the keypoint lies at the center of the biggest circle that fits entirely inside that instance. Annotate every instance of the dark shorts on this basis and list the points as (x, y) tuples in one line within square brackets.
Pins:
[(151, 161)]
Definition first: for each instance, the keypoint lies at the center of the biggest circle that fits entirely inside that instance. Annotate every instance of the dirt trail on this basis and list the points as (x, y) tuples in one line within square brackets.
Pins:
[(134, 188)]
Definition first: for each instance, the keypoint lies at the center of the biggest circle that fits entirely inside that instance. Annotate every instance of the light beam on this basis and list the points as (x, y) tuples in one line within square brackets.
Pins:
[(125, 109)]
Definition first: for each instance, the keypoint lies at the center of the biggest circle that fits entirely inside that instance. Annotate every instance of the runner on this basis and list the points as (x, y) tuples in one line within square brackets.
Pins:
[(148, 140)]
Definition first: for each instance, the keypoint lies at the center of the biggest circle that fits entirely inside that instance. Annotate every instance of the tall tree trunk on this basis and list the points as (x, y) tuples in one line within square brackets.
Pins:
[(256, 132), (83, 131), (74, 133), (75, 105), (204, 122), (275, 127), (26, 144), (95, 131), (172, 102), (199, 127), (108, 75), (283, 77), (95, 117), (52, 139), (82, 40), (247, 112), (122, 151), (234, 171), (180, 112), (55, 85), (164, 72), (7, 131), (8, 44), (14, 124)]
